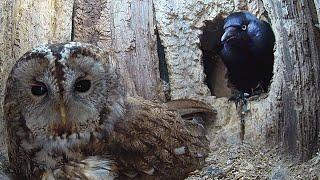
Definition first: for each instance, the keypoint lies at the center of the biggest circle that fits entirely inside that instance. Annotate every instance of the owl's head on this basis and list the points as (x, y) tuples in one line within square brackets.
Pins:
[(63, 90)]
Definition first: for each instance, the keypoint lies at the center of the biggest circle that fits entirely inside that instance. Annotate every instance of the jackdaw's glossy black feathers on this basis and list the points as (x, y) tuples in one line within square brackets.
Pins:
[(248, 51)]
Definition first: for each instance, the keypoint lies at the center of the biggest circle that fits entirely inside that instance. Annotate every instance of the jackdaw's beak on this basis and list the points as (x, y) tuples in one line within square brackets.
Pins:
[(229, 33)]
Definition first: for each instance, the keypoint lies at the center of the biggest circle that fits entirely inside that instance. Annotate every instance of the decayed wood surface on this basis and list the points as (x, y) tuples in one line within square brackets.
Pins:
[(288, 116), (299, 50), (126, 30)]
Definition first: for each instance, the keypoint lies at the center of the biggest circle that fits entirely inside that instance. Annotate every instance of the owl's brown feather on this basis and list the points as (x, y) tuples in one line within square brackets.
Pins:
[(189, 109), (155, 140)]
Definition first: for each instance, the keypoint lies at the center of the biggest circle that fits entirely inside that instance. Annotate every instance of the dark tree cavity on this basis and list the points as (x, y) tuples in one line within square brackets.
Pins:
[(164, 75), (215, 70)]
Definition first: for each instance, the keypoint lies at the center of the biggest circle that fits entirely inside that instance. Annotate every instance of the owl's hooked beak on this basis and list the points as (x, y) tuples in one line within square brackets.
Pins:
[(63, 114), (64, 126)]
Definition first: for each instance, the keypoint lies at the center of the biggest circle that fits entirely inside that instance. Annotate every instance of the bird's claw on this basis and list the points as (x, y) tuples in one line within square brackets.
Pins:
[(240, 98)]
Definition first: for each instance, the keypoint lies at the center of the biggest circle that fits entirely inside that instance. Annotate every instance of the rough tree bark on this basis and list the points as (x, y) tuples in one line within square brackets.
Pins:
[(288, 115), (125, 29)]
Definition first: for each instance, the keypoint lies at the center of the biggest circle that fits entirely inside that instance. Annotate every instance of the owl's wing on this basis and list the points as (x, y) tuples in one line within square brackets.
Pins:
[(156, 141), (190, 109)]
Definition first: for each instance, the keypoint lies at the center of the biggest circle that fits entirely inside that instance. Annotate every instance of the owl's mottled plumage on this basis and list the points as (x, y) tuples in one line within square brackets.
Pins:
[(62, 125), (68, 117), (157, 141)]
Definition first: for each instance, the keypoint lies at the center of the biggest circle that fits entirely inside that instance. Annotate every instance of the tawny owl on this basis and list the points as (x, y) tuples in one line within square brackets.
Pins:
[(68, 117)]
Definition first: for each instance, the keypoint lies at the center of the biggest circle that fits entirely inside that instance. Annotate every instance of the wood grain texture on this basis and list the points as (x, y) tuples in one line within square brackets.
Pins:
[(298, 65), (125, 29)]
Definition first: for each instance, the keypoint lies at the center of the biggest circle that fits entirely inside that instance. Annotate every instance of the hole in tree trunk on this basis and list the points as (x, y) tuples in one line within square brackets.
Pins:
[(164, 75), (250, 73), (215, 70)]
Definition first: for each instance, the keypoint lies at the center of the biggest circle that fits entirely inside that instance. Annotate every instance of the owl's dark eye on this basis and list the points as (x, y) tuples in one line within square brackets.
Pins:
[(38, 89), (82, 86)]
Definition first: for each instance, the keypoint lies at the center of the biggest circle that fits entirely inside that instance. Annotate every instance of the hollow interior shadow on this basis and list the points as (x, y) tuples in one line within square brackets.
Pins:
[(214, 69)]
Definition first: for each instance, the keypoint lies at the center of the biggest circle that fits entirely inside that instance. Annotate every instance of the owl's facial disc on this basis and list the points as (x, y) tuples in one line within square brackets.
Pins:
[(63, 91)]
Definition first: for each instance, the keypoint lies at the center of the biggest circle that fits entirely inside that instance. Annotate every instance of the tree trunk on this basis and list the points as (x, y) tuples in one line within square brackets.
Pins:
[(287, 116), (299, 55), (125, 29)]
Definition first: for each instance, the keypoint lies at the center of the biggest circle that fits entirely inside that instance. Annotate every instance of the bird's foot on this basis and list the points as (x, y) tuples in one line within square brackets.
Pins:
[(241, 98)]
